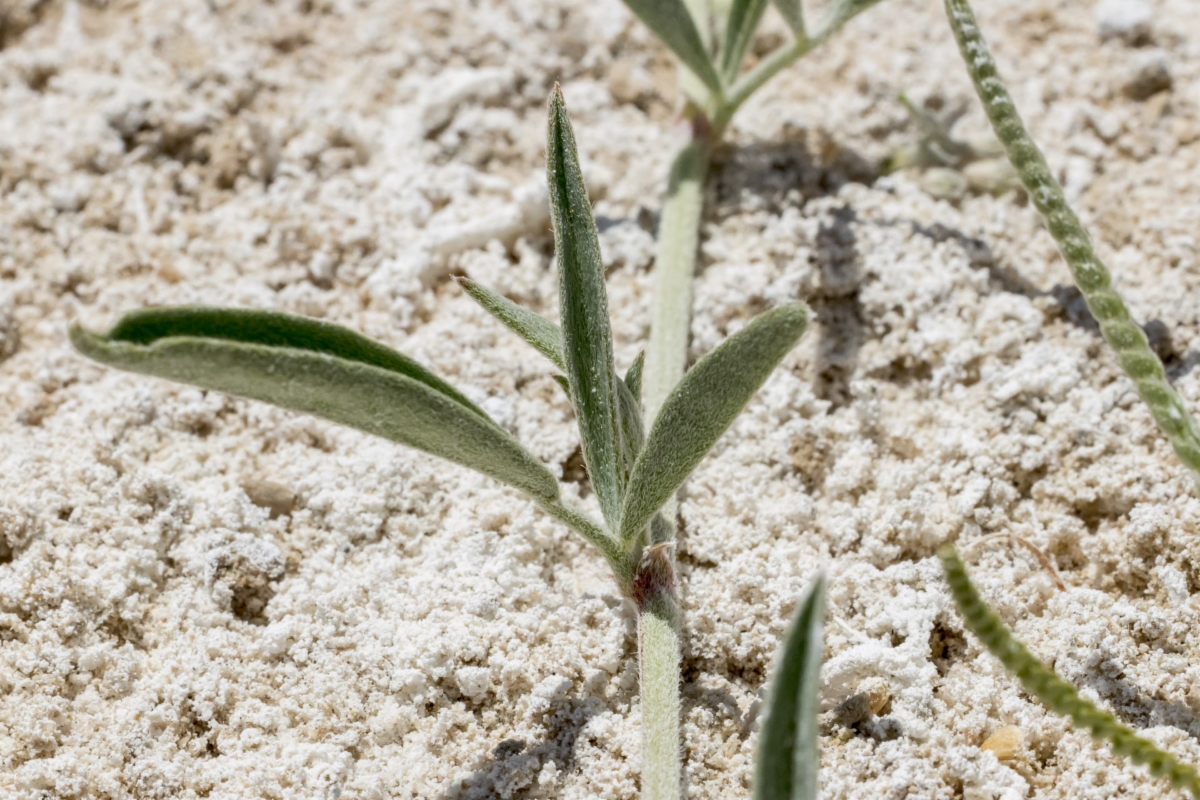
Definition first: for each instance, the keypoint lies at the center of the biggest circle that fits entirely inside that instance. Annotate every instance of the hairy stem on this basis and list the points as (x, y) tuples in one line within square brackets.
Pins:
[(1124, 335), (658, 659), (678, 238), (1055, 693)]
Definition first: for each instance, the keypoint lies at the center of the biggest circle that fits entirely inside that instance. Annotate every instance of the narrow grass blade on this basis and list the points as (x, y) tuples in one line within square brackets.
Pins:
[(1124, 335), (787, 745), (583, 305), (792, 12), (541, 333), (744, 16), (671, 22), (838, 14), (702, 406), (1055, 693), (311, 366), (633, 378)]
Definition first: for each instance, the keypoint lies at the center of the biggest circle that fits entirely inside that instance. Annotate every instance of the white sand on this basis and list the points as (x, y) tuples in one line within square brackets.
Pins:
[(206, 597)]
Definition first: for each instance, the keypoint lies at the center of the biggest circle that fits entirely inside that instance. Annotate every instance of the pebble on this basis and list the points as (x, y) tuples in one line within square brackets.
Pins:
[(1127, 20), (1150, 73), (1004, 743)]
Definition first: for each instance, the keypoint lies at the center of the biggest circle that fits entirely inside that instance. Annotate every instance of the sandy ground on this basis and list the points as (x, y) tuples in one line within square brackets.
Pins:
[(206, 597)]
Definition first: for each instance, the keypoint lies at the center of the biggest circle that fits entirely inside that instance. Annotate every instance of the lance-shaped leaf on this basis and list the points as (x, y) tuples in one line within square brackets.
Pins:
[(702, 406), (633, 378), (792, 12), (583, 306), (673, 24), (307, 365), (535, 329), (632, 431), (839, 13), (744, 16), (787, 744)]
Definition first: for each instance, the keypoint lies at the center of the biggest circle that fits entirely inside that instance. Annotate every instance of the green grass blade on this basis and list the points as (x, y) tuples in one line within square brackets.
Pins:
[(672, 23), (633, 378), (702, 406), (583, 306), (792, 12), (1124, 335), (541, 333), (320, 369), (744, 16), (787, 744), (1055, 693)]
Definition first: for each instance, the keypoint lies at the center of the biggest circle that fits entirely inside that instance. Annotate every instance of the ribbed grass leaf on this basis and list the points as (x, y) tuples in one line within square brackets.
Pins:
[(307, 365), (541, 333), (702, 406), (744, 16), (787, 744), (583, 306), (671, 22), (792, 12)]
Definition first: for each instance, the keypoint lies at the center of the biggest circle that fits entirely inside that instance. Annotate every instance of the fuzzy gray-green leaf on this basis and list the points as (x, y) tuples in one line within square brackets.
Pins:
[(541, 333), (839, 13), (633, 378), (310, 366), (583, 306), (744, 16), (671, 22), (702, 406), (792, 12), (787, 744)]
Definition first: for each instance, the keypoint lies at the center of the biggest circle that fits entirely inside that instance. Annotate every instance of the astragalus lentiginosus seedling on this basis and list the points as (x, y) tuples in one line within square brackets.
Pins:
[(322, 369)]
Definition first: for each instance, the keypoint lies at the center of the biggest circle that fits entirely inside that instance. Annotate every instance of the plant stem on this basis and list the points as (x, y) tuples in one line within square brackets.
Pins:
[(1122, 333), (769, 67), (658, 659), (678, 238)]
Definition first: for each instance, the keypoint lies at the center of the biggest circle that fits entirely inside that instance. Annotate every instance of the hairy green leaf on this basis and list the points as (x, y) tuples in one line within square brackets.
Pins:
[(1056, 694), (787, 744), (583, 305), (535, 329), (702, 406), (307, 365), (671, 22), (633, 378), (792, 12), (744, 16), (839, 13), (633, 433)]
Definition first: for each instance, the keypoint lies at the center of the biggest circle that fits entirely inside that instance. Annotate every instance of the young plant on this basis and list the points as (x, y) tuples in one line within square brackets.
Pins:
[(1055, 693), (326, 370), (711, 52), (787, 746), (1121, 332)]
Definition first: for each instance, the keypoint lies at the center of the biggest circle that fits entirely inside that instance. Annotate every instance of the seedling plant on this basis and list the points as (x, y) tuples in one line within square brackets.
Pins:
[(315, 367)]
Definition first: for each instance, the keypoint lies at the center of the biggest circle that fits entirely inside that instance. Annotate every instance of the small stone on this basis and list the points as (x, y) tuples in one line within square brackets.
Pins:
[(943, 183), (1127, 20), (276, 498), (1005, 743), (1150, 74)]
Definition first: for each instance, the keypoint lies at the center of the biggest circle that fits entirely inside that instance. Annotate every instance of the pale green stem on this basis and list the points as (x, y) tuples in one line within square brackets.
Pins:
[(658, 659), (768, 68), (623, 564), (1124, 335), (1056, 694), (678, 238)]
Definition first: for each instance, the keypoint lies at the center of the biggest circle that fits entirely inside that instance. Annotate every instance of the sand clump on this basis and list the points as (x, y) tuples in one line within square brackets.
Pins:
[(206, 597)]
